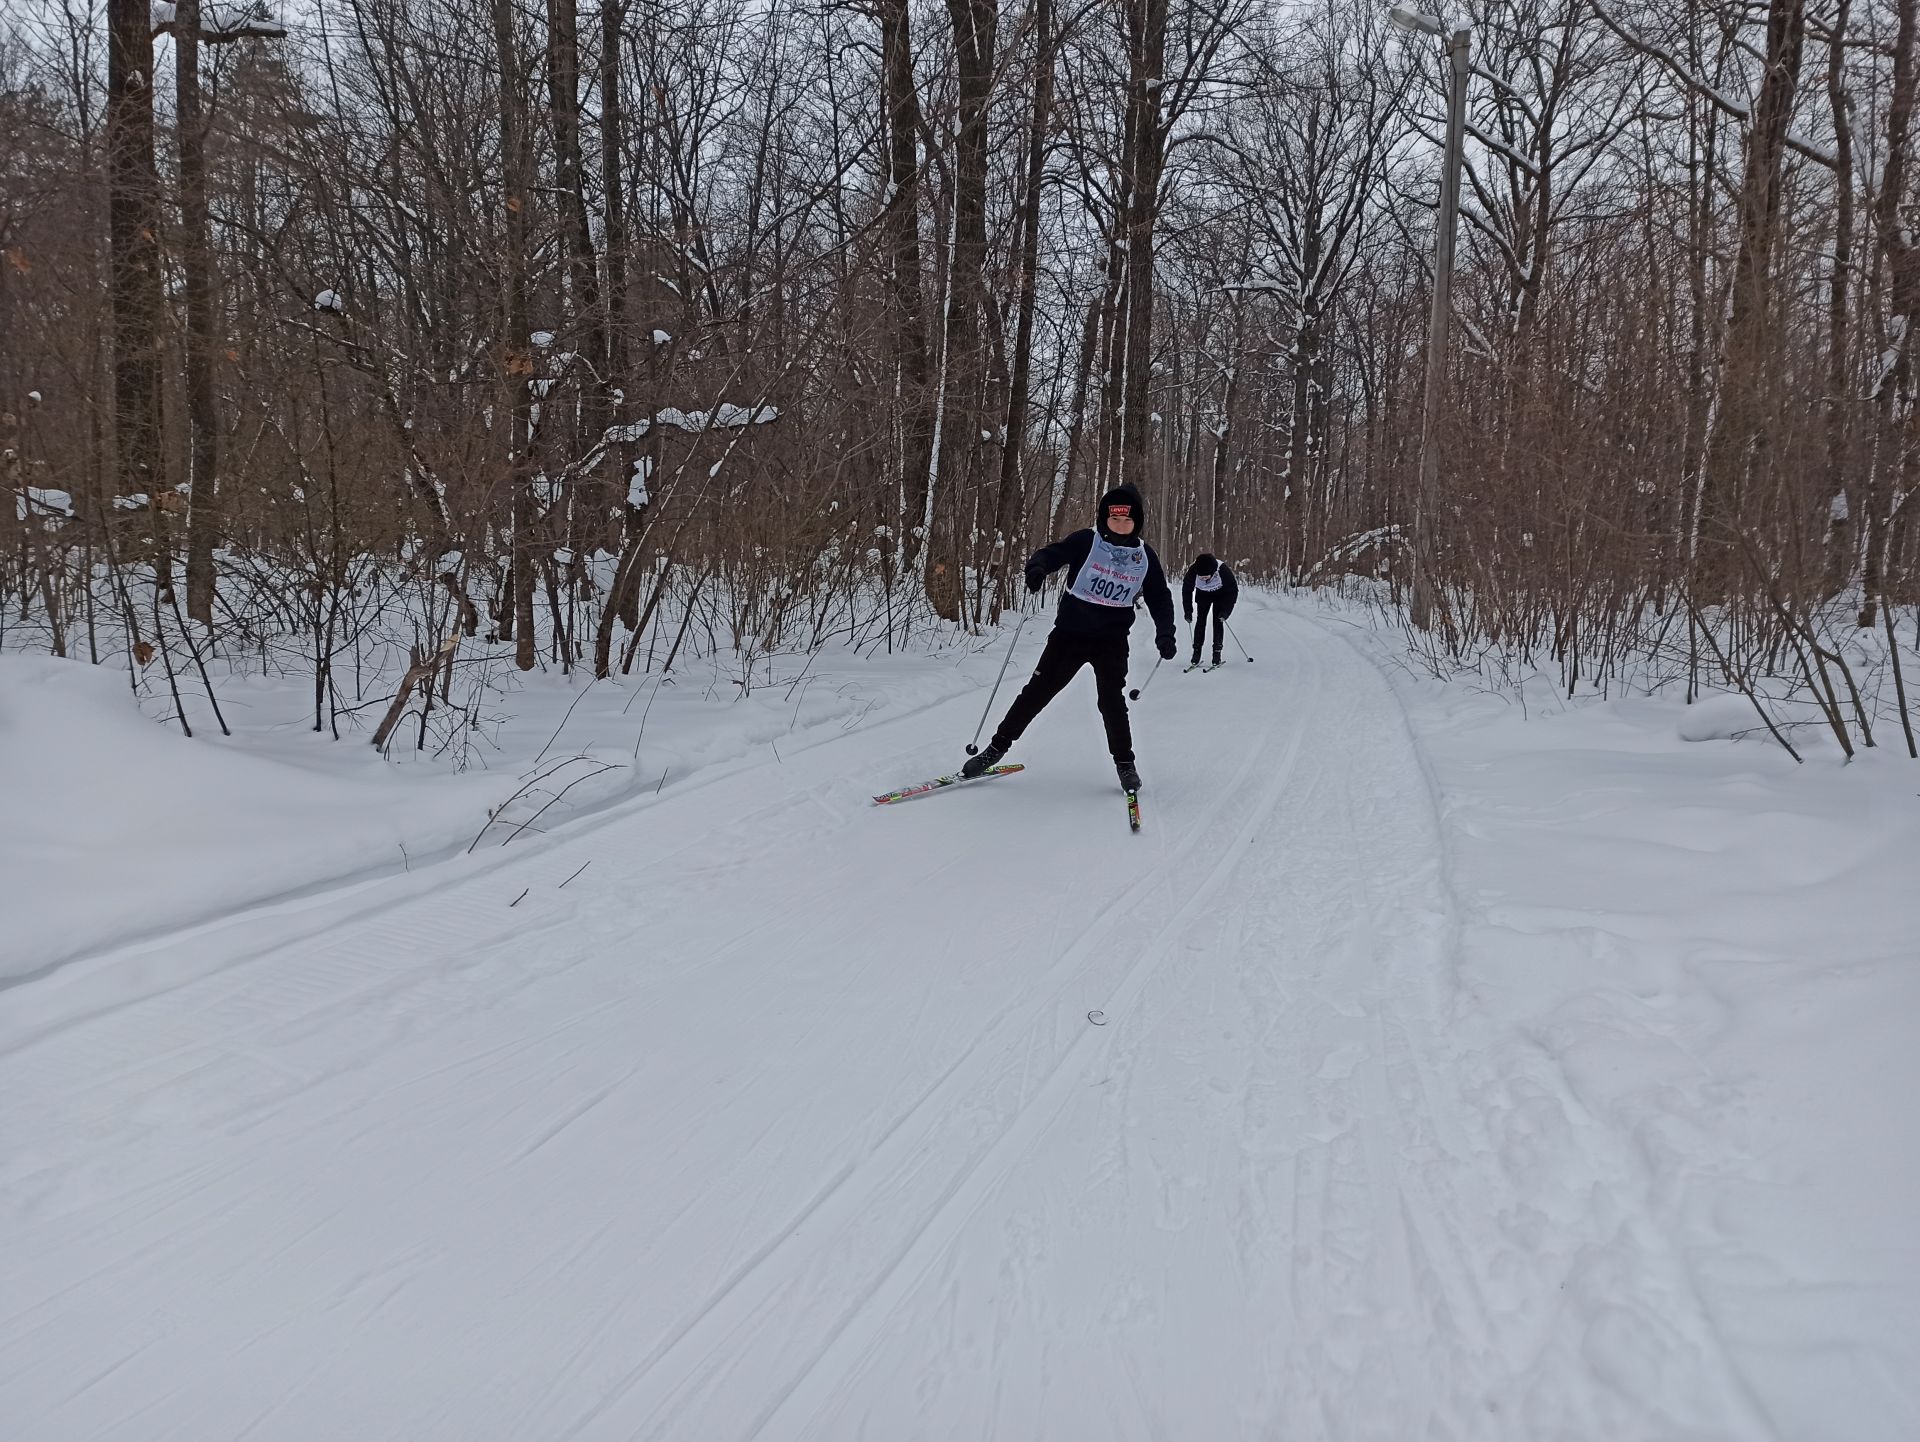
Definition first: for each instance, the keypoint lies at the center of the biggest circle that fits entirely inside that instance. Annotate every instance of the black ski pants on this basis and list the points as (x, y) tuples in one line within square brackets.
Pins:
[(1202, 608), (1060, 662)]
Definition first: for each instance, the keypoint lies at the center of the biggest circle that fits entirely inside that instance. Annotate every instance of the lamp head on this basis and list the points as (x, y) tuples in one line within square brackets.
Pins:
[(1414, 20)]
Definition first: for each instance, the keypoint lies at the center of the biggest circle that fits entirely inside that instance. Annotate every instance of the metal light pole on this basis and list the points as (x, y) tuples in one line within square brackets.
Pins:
[(1459, 48)]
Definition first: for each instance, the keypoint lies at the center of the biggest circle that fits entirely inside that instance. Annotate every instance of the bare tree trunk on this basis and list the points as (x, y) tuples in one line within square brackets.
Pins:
[(563, 87), (203, 416), (1146, 156), (909, 331), (1026, 287), (516, 351), (1740, 424), (963, 381), (1839, 345), (1893, 396), (1221, 470), (1074, 463), (133, 227), (614, 227)]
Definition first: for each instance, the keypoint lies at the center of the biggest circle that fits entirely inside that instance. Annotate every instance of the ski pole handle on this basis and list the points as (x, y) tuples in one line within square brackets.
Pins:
[(1134, 694), (973, 746)]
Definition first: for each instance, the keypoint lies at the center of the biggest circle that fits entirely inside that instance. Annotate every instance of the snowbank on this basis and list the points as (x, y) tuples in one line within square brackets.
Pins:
[(1720, 718), (118, 827)]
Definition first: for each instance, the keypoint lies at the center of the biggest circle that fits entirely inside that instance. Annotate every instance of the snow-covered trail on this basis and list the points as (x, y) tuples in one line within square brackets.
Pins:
[(787, 1118)]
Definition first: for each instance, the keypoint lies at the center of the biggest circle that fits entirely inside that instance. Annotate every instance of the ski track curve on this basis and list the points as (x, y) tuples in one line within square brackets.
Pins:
[(787, 1121)]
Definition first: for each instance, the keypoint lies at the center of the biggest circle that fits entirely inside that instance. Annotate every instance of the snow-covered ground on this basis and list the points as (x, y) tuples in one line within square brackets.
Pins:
[(1425, 1069), (129, 829)]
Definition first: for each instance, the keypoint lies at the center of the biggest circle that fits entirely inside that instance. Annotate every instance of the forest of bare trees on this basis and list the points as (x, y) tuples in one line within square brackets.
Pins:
[(508, 325)]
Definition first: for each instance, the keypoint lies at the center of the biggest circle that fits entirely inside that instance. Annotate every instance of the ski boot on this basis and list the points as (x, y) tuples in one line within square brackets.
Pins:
[(1129, 778), (988, 756)]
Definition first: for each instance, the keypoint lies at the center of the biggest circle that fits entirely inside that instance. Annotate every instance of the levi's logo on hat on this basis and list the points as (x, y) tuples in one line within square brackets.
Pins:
[(1120, 509)]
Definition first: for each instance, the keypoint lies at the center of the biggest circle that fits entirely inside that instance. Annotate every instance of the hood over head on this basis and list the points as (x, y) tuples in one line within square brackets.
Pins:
[(1122, 496)]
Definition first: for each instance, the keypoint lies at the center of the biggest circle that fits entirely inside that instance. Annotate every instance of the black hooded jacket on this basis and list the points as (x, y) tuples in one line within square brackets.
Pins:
[(1223, 599), (1083, 618)]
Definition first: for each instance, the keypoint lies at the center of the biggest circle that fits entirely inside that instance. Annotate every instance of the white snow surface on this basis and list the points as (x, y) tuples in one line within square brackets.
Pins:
[(117, 827), (42, 502), (1426, 1069)]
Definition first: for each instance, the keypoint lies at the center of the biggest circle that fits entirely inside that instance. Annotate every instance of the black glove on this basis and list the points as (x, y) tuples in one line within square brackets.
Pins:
[(1189, 616), (1166, 646), (1036, 578)]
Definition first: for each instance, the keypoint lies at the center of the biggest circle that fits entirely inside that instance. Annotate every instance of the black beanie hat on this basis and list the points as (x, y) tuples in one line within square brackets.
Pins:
[(1122, 496), (1204, 564)]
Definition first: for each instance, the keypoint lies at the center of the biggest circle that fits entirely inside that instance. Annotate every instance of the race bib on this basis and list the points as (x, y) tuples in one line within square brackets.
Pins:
[(1207, 583), (1111, 575)]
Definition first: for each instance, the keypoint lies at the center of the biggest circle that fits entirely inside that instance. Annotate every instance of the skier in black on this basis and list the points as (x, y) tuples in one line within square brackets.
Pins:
[(1211, 583), (1109, 568)]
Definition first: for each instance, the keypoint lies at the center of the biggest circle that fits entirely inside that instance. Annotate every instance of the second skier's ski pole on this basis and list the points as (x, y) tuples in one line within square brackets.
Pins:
[(1236, 639), (1134, 694), (973, 746)]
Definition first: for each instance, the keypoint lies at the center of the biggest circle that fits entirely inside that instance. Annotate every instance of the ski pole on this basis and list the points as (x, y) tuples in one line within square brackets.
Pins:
[(1236, 639), (1134, 694), (973, 746)]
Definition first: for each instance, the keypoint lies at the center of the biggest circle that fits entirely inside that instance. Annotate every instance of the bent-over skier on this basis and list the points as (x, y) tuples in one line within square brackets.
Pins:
[(1109, 568), (1212, 585)]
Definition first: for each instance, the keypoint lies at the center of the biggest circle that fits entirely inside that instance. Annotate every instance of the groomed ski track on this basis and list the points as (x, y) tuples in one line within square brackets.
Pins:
[(787, 1119)]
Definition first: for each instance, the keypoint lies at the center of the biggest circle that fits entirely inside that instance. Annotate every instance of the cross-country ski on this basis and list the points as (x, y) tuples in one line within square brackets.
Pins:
[(907, 793)]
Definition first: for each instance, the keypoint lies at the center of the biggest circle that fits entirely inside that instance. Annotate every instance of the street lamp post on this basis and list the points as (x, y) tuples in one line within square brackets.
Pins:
[(1459, 48)]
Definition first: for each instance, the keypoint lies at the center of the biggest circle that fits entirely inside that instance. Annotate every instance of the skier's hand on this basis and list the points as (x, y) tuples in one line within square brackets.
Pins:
[(1166, 648), (1036, 578), (1189, 618)]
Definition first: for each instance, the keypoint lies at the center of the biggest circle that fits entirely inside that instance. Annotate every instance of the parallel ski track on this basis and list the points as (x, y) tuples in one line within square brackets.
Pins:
[(648, 1399)]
